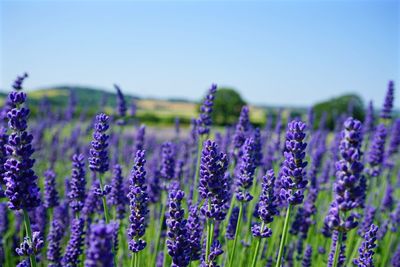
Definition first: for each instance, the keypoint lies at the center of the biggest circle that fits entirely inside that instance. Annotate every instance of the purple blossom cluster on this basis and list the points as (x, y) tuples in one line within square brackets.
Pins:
[(204, 121), (213, 185), (292, 175), (138, 199)]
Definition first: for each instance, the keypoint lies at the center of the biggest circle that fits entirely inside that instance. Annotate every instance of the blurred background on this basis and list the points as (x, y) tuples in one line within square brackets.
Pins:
[(276, 56)]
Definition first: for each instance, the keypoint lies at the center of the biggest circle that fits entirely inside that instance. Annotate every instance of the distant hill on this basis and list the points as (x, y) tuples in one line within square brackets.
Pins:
[(149, 110)]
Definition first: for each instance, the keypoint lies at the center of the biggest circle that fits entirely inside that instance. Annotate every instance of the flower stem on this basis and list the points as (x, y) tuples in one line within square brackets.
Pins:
[(106, 215), (337, 249), (162, 216), (210, 233), (255, 256), (236, 234), (105, 208), (29, 233), (284, 234), (197, 169)]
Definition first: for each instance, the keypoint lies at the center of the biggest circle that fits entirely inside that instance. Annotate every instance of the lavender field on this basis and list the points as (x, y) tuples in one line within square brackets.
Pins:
[(110, 191)]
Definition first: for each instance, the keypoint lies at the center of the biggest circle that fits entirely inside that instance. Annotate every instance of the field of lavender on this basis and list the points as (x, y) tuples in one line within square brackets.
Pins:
[(111, 192)]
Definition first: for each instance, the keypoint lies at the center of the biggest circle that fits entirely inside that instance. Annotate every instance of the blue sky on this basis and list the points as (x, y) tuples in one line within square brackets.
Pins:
[(273, 52)]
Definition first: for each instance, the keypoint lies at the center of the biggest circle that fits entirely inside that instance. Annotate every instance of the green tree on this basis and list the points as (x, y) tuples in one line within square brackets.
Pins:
[(351, 105), (227, 106)]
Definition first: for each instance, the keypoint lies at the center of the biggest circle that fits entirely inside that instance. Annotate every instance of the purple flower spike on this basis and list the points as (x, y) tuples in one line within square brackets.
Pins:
[(17, 85), (98, 160), (369, 122), (77, 194), (99, 252), (54, 243), (139, 139), (168, 162), (349, 187), (376, 152), (307, 259), (204, 121), (177, 235), (394, 144), (242, 127), (50, 191), (21, 186), (231, 228), (215, 251), (138, 199), (267, 205), (117, 197), (74, 247), (246, 171), (386, 112), (195, 229), (366, 250), (213, 184), (293, 170), (121, 104)]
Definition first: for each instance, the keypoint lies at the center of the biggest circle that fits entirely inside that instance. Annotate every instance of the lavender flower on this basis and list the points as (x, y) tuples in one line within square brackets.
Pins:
[(293, 169), (386, 112), (396, 257), (366, 250), (369, 215), (121, 104), (154, 187), (394, 143), (138, 200), (17, 85), (231, 228), (266, 207), (204, 121), (98, 160), (4, 223), (246, 171), (242, 128), (139, 140), (369, 122), (22, 190), (168, 162), (28, 248), (348, 189), (76, 194), (3, 157), (117, 198), (99, 252), (54, 247), (74, 247), (215, 251), (388, 201), (195, 230), (50, 191), (307, 259), (377, 149), (178, 237), (213, 182)]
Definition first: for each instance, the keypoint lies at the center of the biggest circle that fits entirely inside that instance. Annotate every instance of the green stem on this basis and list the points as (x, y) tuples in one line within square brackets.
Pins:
[(162, 215), (284, 234), (29, 233), (197, 169), (236, 234), (105, 208), (106, 215), (255, 256), (210, 233), (337, 249), (389, 248)]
